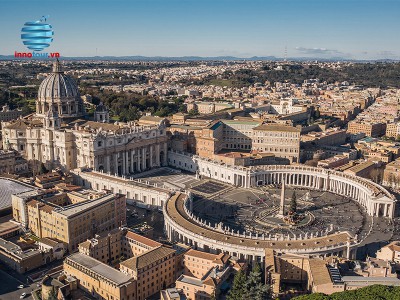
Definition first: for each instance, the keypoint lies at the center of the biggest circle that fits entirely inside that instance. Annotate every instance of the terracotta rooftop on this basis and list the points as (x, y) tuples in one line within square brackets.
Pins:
[(319, 272), (42, 206), (147, 258), (200, 254), (142, 239)]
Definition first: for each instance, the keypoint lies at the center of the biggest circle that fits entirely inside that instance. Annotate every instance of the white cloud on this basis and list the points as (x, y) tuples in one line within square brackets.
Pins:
[(318, 51)]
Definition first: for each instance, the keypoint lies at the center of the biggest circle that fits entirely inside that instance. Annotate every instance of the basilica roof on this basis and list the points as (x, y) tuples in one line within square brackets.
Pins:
[(57, 86), (23, 123)]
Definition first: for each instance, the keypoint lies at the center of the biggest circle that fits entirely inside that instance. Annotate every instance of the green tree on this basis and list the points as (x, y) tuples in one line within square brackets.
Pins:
[(43, 169), (239, 286), (293, 203), (255, 288), (372, 292), (193, 112)]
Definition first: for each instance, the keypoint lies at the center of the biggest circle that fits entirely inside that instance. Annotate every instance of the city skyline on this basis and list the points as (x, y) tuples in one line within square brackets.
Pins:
[(332, 29)]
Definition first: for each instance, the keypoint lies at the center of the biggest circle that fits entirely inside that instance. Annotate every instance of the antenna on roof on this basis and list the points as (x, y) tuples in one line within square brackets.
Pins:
[(285, 54)]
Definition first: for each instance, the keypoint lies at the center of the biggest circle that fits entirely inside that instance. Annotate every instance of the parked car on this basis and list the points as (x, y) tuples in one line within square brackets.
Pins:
[(23, 295)]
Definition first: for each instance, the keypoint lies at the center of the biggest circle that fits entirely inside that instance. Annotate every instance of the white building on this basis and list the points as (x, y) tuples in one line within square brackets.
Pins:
[(58, 135)]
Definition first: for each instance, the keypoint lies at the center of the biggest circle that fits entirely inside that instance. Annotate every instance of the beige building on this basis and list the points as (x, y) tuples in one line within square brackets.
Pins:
[(118, 243), (99, 279), (280, 140), (18, 259), (49, 180), (372, 129), (150, 265), (11, 162), (55, 248), (105, 247), (203, 275), (153, 270), (7, 114), (135, 244), (362, 169), (333, 162), (71, 217), (242, 135), (319, 276), (393, 130), (390, 252), (330, 137), (391, 175)]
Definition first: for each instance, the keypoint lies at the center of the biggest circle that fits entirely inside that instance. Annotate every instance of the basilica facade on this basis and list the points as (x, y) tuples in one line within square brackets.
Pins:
[(61, 135)]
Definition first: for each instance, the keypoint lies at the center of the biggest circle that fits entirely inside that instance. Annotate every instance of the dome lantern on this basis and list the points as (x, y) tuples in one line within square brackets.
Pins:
[(61, 91)]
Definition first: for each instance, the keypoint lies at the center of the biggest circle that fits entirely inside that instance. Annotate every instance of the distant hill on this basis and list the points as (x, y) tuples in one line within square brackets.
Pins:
[(200, 58)]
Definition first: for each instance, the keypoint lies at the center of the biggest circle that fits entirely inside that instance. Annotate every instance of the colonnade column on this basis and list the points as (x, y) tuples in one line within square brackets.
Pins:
[(151, 156), (123, 163), (165, 154), (115, 162), (158, 155), (139, 164), (132, 169), (95, 163), (144, 158)]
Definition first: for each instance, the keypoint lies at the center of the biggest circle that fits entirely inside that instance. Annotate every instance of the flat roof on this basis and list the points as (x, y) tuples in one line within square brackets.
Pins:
[(71, 210), (100, 268), (147, 258), (9, 187), (360, 281), (276, 127), (190, 280), (16, 250), (241, 122)]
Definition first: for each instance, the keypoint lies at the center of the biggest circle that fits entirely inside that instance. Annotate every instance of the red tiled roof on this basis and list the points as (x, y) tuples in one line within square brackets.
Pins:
[(142, 239)]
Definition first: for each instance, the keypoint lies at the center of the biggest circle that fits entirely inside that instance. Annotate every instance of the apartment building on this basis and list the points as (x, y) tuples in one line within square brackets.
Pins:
[(391, 175), (280, 140), (390, 252), (393, 130), (71, 217), (99, 279), (371, 129), (153, 270), (204, 274), (18, 259), (330, 137)]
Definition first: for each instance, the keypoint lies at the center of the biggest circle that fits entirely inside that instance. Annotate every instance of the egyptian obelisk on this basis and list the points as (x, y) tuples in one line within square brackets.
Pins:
[(282, 204)]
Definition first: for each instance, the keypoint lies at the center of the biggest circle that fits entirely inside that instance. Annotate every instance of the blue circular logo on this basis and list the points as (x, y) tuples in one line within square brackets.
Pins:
[(37, 35)]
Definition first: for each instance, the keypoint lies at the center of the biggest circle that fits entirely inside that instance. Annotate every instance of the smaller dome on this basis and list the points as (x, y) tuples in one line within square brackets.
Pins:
[(101, 108), (60, 90)]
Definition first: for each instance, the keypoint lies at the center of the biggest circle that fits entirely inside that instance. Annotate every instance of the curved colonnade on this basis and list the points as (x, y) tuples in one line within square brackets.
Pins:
[(182, 226), (375, 199)]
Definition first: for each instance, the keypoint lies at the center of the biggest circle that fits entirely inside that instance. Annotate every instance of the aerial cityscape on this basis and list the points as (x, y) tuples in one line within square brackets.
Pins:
[(168, 150)]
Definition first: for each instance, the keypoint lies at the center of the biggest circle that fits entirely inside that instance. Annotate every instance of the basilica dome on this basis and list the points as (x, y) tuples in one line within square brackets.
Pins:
[(61, 92)]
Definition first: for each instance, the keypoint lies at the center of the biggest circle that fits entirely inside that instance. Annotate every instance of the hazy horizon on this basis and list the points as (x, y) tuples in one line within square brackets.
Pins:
[(352, 29)]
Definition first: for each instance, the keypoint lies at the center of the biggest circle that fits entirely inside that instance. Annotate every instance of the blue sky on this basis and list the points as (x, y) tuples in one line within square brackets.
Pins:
[(359, 29)]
